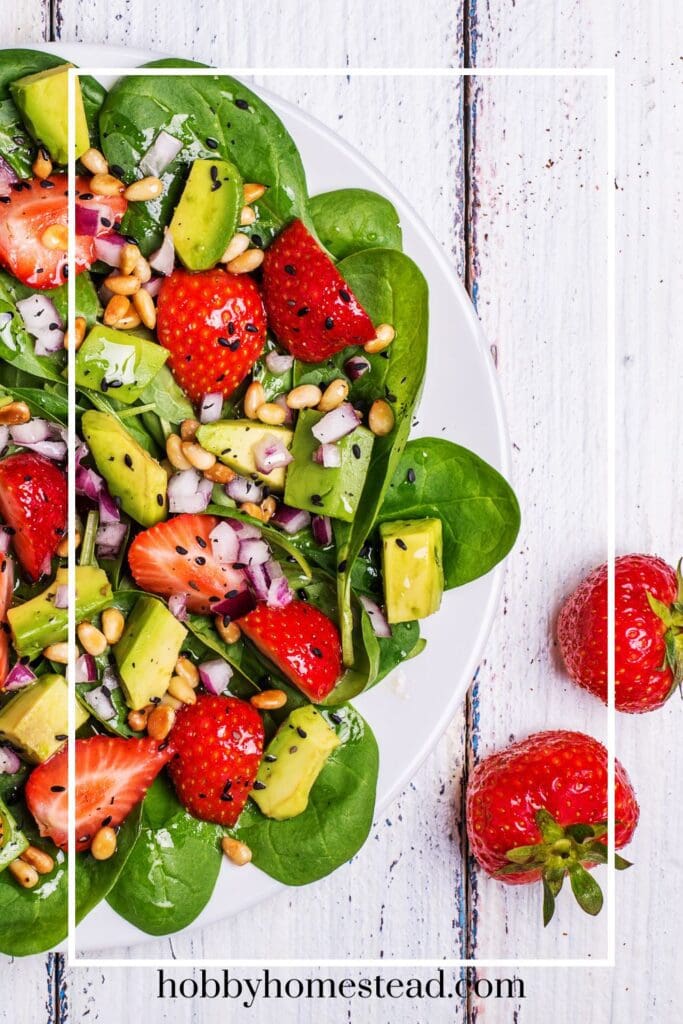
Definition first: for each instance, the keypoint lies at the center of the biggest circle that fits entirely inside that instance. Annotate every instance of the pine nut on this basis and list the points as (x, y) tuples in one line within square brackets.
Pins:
[(384, 336), (113, 623), (130, 254), (253, 510), (143, 190), (239, 853), (14, 413), (80, 325), (128, 322), (170, 702), (247, 216), (160, 721), (248, 261), (197, 456), (188, 429), (92, 640), (220, 474), (188, 670), (55, 237), (333, 395), (272, 414), (181, 690), (269, 700), (306, 396), (145, 308), (137, 720), (254, 398), (42, 165), (381, 418), (142, 270), (229, 632), (117, 308), (103, 845), (268, 508), (62, 549), (106, 185), (94, 161), (252, 192), (58, 653), (238, 244), (38, 859), (175, 453), (23, 873), (123, 284)]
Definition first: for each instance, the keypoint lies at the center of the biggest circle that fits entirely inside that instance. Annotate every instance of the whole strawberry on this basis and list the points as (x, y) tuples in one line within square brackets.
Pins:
[(218, 745), (214, 326), (648, 618), (537, 810)]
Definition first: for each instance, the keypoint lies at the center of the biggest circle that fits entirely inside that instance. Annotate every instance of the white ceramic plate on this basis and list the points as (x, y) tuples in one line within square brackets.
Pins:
[(410, 713)]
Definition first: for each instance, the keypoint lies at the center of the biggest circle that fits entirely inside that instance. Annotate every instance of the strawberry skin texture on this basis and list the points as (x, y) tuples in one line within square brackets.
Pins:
[(218, 743), (112, 776), (563, 772), (175, 557), (33, 499), (301, 641), (641, 682), (214, 326), (310, 307), (6, 594)]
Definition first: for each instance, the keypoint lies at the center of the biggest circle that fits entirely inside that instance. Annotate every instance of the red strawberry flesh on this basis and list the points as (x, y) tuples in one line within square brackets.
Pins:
[(33, 498)]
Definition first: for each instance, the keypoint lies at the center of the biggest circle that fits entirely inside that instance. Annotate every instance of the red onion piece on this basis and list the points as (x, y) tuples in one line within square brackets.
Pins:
[(5, 538), (38, 312), (240, 489), (328, 456), (62, 596), (245, 531), (177, 605), (7, 178), (235, 607), (291, 520), (211, 407), (160, 154), (281, 400), (108, 248), (279, 593), (100, 701), (19, 676), (278, 363), (28, 433), (86, 669), (188, 491), (4, 438), (10, 762), (153, 286), (90, 484), (50, 341), (322, 530), (55, 450), (109, 538), (215, 675), (109, 510), (336, 424), (378, 620), (163, 260), (258, 578), (225, 544), (274, 569), (271, 453), (356, 366), (253, 552), (87, 220)]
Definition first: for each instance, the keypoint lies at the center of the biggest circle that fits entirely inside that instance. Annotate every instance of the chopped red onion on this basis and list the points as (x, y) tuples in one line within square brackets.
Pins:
[(253, 552), (291, 520), (245, 531), (108, 248), (62, 596), (5, 537), (378, 620), (281, 400), (274, 569), (225, 544), (160, 154), (100, 701), (279, 593), (328, 456), (153, 286), (86, 669), (236, 606), (10, 763), (188, 491), (7, 178), (258, 578), (109, 510), (18, 677), (28, 433), (211, 407), (55, 450), (336, 424), (177, 605), (90, 484), (109, 538), (240, 489), (356, 366), (322, 530), (215, 675), (271, 453), (278, 363), (38, 312), (50, 341), (87, 220), (163, 260)]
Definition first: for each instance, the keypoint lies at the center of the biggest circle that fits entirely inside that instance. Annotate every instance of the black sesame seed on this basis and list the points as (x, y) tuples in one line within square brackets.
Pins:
[(410, 476), (58, 789), (160, 499), (117, 170), (231, 327), (234, 345), (342, 566), (106, 821), (201, 542), (301, 594), (200, 560), (289, 269), (212, 143), (85, 196), (181, 550), (251, 329), (46, 183), (270, 758), (293, 750), (316, 652), (329, 323), (257, 241), (61, 736), (242, 104), (301, 732), (355, 448), (337, 719), (223, 342), (344, 295), (128, 460), (401, 544), (259, 785), (316, 500), (303, 311)]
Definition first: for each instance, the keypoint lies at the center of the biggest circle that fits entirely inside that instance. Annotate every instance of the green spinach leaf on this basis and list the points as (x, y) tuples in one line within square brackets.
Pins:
[(349, 220), (95, 878), (16, 345), (168, 399)]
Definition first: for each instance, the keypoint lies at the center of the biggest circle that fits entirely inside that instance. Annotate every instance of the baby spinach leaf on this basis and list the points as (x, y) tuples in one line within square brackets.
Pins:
[(351, 219), (167, 397), (172, 869), (16, 345), (50, 401), (476, 505), (337, 820), (95, 878)]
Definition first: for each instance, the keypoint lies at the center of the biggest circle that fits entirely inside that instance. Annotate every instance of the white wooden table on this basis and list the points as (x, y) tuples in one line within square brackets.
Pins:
[(508, 172)]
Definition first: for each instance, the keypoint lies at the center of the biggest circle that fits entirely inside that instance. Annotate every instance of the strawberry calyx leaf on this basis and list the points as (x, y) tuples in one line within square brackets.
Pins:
[(672, 617)]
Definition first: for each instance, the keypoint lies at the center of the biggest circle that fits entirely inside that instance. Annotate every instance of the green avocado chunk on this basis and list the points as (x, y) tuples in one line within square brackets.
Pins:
[(292, 762), (207, 215), (147, 652), (233, 441), (331, 492), (36, 720), (36, 624), (13, 842), (43, 102), (132, 474), (412, 565), (116, 361)]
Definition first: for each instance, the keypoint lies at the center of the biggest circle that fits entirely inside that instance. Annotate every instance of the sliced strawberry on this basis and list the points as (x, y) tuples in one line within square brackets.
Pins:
[(301, 641), (112, 776), (25, 212), (218, 745), (33, 503), (309, 305), (176, 557), (6, 593), (214, 326)]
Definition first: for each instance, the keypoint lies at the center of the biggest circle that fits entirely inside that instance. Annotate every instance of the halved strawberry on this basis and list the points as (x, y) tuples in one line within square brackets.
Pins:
[(112, 776), (6, 593), (33, 503), (25, 212), (176, 557), (309, 305), (301, 641)]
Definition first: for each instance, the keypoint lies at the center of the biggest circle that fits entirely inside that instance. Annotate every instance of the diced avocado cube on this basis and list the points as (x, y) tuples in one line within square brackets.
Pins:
[(116, 361), (292, 762), (43, 102), (13, 842), (132, 474), (147, 652), (36, 720), (36, 624), (232, 441), (331, 492), (412, 564), (207, 215)]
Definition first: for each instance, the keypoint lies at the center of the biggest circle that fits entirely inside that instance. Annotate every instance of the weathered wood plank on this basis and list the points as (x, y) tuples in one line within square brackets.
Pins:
[(25, 23)]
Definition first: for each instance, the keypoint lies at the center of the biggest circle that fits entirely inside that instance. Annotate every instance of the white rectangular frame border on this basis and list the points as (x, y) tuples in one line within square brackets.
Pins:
[(608, 74)]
